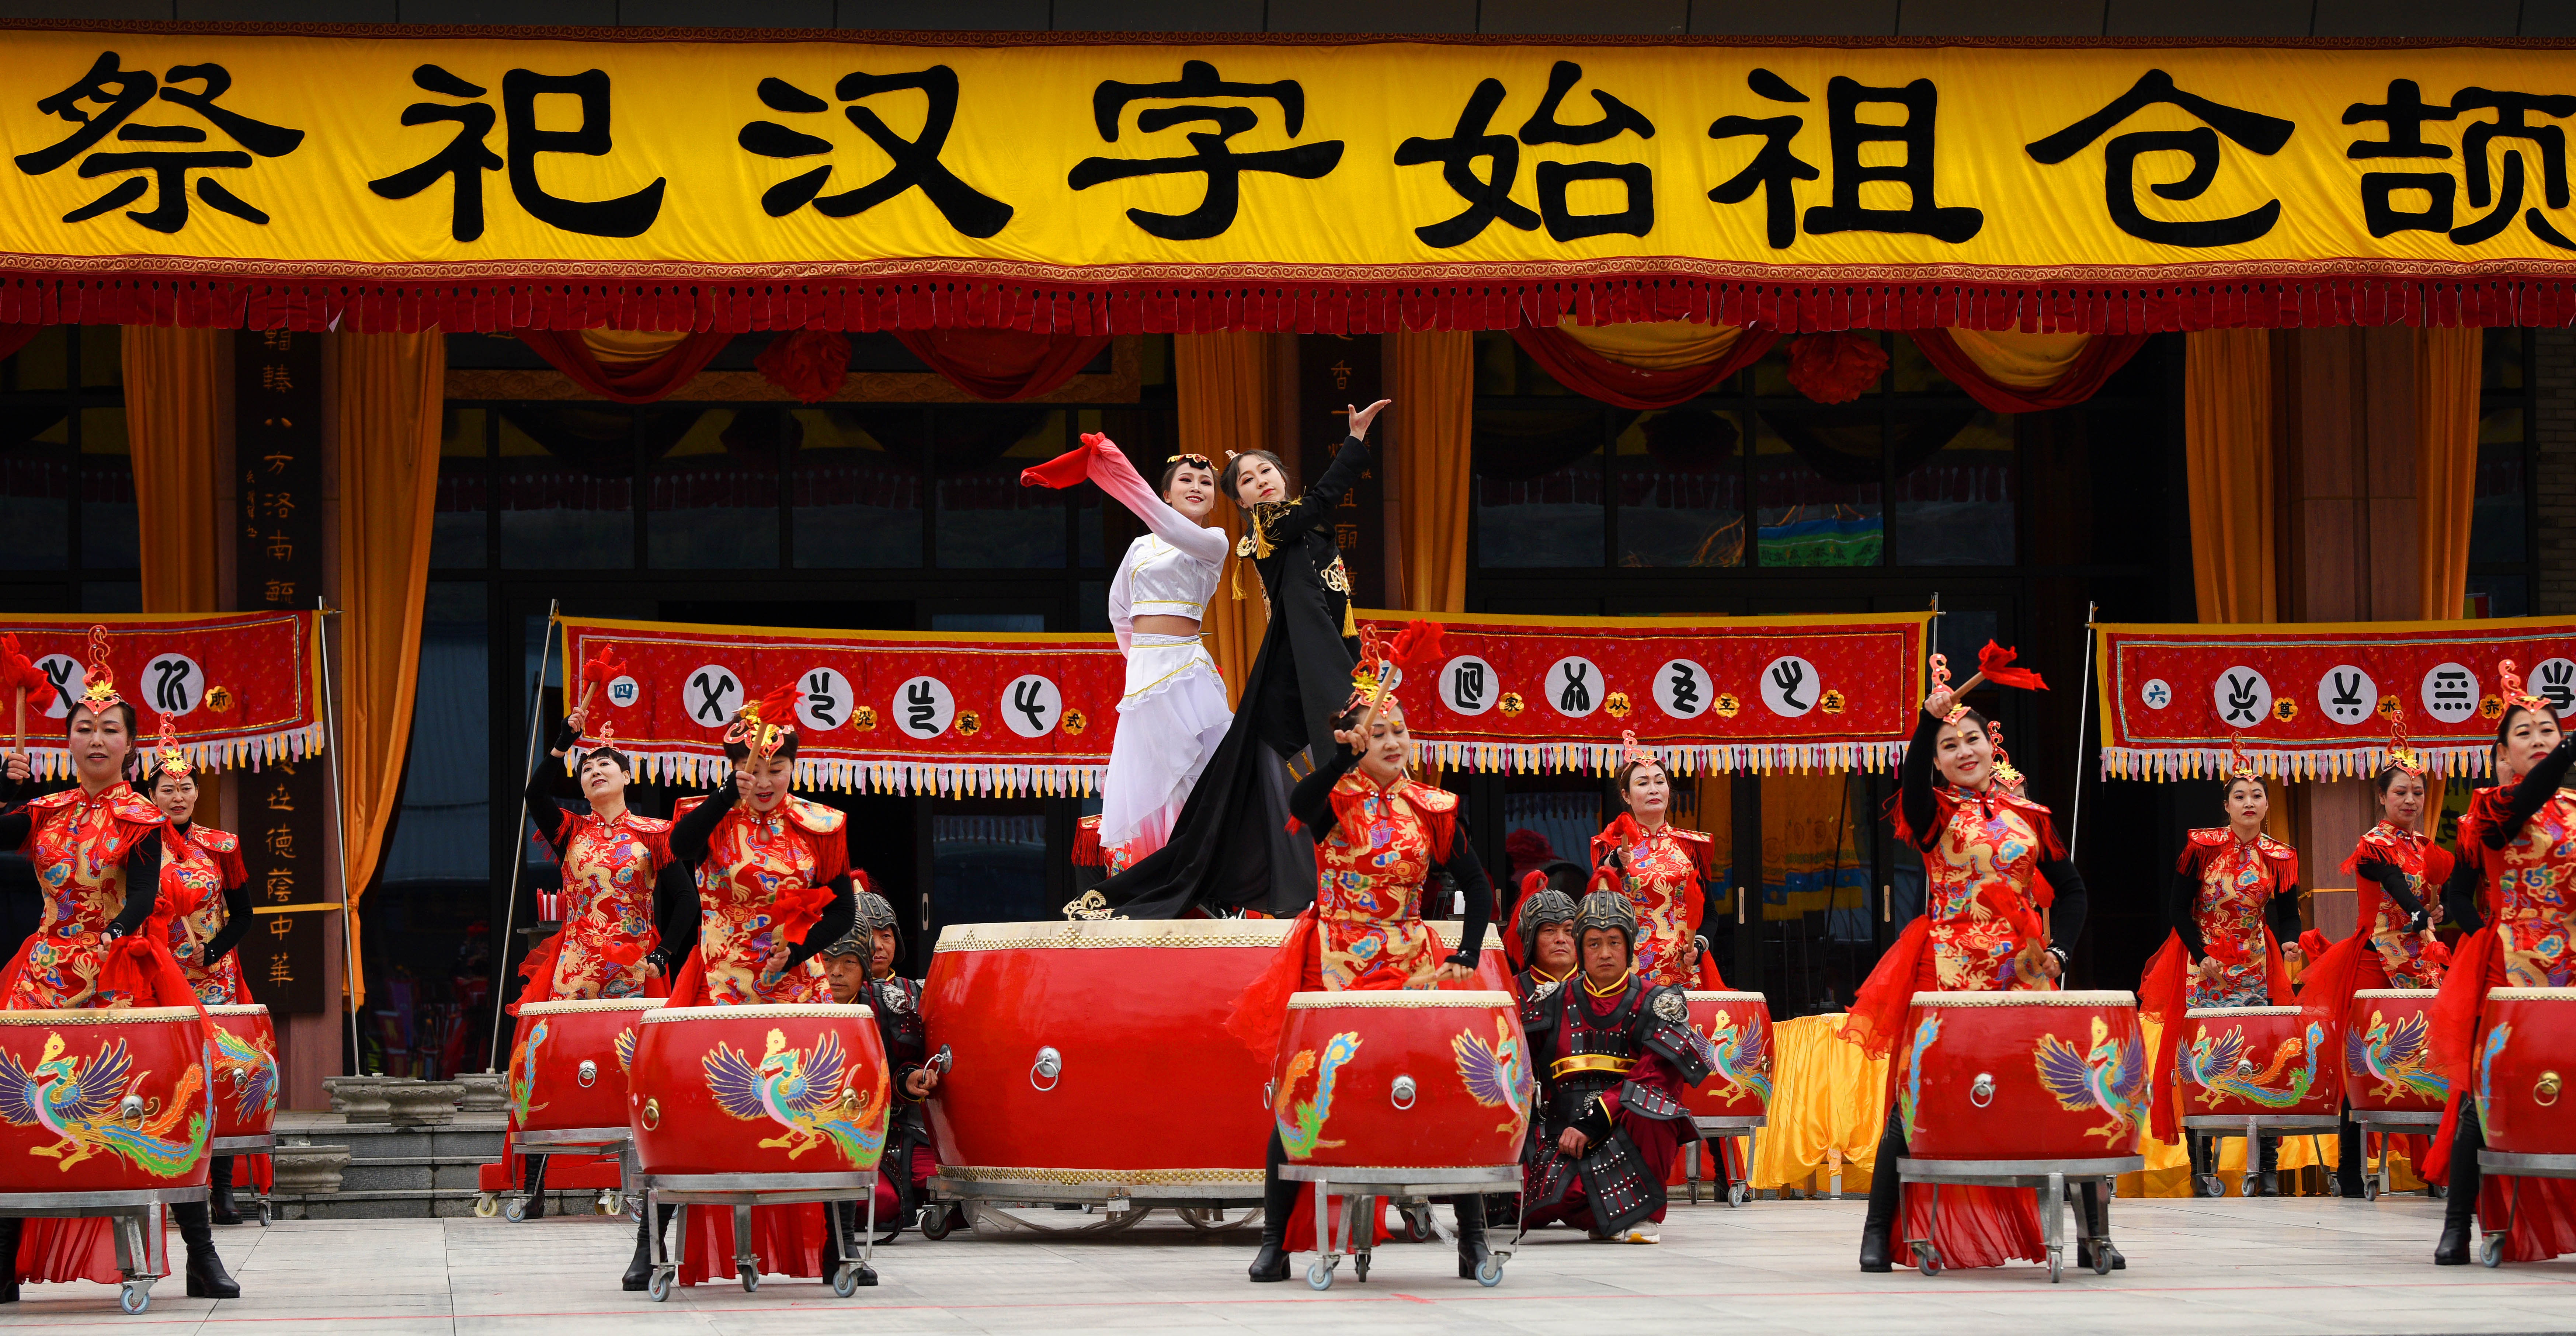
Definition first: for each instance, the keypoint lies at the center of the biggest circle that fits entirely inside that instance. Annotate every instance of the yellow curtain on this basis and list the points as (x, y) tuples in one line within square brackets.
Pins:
[(2448, 368), (1225, 387), (1825, 1097), (390, 388), (173, 402), (2227, 450), (2021, 361), (614, 347), (1660, 345), (1434, 410)]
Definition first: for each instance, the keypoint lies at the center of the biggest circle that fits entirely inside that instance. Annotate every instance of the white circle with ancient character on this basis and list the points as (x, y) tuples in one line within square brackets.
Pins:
[(64, 672), (1031, 705), (172, 684), (2554, 680), (712, 693), (1682, 689), (823, 699), (1574, 686), (923, 706), (2347, 694), (2156, 694), (1790, 686), (624, 692), (1469, 685), (2450, 692), (2242, 697)]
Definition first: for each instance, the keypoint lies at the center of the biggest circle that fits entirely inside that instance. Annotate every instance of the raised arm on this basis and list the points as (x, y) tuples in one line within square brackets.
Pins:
[(1316, 502), (544, 808), (2536, 788), (690, 834), (1311, 802), (1110, 469), (1914, 784)]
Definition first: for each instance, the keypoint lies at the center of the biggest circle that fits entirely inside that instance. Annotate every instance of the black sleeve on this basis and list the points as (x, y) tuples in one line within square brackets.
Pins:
[(2392, 883), (832, 927), (2066, 911), (1461, 864), (2460, 894), (675, 911), (2283, 912), (1311, 802), (1311, 506), (1914, 789), (544, 809), (142, 881), (689, 835), (2178, 916), (2536, 788), (236, 923)]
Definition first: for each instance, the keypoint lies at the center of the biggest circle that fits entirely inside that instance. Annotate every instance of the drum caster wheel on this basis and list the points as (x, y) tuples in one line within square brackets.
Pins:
[(485, 1205), (1319, 1274), (750, 1279), (1489, 1273), (2056, 1264), (263, 1215), (1359, 1268), (1417, 1226), (845, 1280), (635, 1207), (516, 1211), (660, 1288), (1927, 1259), (2101, 1257), (1739, 1194), (936, 1221), (135, 1297), (2370, 1189), (2492, 1254), (2245, 1186), (608, 1203)]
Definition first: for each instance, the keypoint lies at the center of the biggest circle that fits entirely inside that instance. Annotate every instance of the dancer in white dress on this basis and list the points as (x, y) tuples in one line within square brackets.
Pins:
[(1174, 711)]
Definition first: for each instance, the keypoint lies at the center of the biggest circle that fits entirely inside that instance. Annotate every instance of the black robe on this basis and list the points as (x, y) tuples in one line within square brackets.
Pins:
[(1230, 849)]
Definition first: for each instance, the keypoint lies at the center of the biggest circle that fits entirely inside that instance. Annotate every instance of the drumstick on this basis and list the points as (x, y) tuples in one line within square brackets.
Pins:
[(22, 719)]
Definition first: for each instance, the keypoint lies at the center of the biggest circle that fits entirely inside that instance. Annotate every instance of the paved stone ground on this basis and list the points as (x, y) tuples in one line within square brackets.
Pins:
[(2281, 1265)]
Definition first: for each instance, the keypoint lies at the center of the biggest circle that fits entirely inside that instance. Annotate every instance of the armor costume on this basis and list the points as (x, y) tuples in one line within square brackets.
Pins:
[(1620, 1061), (1538, 909)]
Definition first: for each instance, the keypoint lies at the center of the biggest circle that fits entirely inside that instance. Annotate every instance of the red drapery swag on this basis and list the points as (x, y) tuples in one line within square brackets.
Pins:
[(1588, 373), (625, 382), (1002, 365), (2085, 376), (15, 337)]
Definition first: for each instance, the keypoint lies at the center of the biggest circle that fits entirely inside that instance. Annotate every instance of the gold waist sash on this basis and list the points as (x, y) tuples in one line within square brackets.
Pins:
[(1591, 1062)]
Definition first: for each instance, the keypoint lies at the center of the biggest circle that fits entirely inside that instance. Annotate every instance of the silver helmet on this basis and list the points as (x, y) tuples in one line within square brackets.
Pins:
[(1545, 906)]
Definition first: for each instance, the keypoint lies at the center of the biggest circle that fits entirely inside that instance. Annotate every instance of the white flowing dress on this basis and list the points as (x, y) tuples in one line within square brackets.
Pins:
[(1173, 713)]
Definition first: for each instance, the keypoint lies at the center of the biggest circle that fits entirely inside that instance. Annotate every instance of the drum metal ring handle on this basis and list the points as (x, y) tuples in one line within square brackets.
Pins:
[(130, 1111), (1402, 1093), (588, 1074), (1981, 1092), (2544, 1091), (2245, 1067), (944, 1060), (1050, 1064), (652, 1114)]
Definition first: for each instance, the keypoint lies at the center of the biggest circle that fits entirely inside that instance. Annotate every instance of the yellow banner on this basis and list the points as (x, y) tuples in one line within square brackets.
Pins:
[(440, 159)]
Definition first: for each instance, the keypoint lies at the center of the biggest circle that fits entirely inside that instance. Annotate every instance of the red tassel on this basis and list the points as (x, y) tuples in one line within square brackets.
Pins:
[(1835, 368), (809, 363), (1995, 662)]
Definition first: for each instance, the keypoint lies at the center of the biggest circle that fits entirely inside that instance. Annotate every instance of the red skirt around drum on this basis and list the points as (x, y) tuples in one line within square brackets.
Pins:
[(569, 1060), (245, 1070), (1738, 1029), (1402, 1079), (2236, 1061), (2388, 1052)]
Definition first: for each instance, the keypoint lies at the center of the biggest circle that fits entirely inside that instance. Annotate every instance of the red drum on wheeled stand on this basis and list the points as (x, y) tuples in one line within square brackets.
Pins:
[(2526, 1058), (245, 1078), (2388, 1079), (1736, 1097), (2257, 1071), (568, 1070)]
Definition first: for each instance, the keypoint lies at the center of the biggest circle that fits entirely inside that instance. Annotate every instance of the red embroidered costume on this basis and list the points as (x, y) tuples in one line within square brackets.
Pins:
[(1666, 874), (205, 870), (610, 867)]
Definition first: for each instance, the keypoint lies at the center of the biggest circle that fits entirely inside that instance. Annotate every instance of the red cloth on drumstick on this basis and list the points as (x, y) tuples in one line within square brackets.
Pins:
[(689, 987), (2477, 964), (2162, 991)]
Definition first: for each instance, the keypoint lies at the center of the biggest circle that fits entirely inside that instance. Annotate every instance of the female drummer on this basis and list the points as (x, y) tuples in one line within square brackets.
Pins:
[(1290, 699), (1378, 836), (1994, 865), (2518, 845), (1173, 713), (1664, 870), (97, 849), (209, 888), (2233, 903)]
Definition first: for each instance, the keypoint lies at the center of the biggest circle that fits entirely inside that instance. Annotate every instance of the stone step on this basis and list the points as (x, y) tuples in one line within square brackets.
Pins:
[(421, 1204)]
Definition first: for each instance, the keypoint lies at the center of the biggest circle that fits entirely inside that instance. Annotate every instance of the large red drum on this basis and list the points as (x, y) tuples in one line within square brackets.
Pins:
[(568, 1064), (784, 1088), (2021, 1076), (1410, 1079), (2235, 1061), (245, 1071), (1056, 1027), (2388, 1051), (2526, 1058), (1738, 1029), (104, 1101)]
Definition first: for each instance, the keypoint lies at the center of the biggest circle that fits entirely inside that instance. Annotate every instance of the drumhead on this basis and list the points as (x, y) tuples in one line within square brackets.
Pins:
[(1080, 934), (575, 1006), (238, 1009), (2420, 994), (2236, 1013), (1711, 995), (2087, 997), (99, 1016), (757, 1011), (1413, 998), (2493, 995)]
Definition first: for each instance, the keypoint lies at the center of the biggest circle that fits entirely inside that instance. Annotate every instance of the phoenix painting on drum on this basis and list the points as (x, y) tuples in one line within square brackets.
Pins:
[(2110, 1075), (1301, 1122), (807, 1094), (80, 1101)]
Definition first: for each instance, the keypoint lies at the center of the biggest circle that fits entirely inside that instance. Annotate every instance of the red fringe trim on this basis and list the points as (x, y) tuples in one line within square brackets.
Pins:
[(1086, 839), (1185, 307)]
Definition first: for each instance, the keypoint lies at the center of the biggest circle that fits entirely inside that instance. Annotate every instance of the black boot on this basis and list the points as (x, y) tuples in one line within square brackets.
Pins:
[(2204, 1178), (1878, 1228), (2350, 1160), (2270, 1180), (2090, 1194), (536, 1207), (9, 1260), (842, 1219), (1278, 1200), (207, 1278), (2459, 1234), (639, 1272), (1472, 1251), (219, 1192)]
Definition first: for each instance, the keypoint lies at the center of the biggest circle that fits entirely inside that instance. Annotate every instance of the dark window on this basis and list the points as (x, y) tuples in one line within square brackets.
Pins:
[(713, 500), (67, 474), (564, 486), (857, 489), (986, 519), (2502, 517)]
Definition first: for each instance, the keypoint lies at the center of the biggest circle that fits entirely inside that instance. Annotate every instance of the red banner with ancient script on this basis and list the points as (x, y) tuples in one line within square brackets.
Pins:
[(877, 711), (1526, 694), (239, 688), (2315, 701)]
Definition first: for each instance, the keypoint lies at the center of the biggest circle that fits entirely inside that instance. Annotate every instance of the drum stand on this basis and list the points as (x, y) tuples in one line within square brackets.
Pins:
[(263, 1144), (742, 1192), (2517, 1167), (1409, 1189), (2050, 1177), (2386, 1122), (1728, 1128), (142, 1246), (2250, 1126), (600, 1141)]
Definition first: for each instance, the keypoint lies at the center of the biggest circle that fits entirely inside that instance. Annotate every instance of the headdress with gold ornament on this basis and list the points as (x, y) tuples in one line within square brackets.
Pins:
[(2237, 766), (98, 694), (2402, 757), (1384, 662), (2516, 695), (603, 742), (767, 726), (2006, 773), (168, 757), (1194, 460)]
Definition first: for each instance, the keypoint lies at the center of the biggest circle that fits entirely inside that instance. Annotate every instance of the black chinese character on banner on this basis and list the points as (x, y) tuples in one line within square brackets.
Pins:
[(1489, 197), (466, 158), (1774, 169), (916, 161), (2250, 130), (1223, 166), (1848, 134), (2405, 113), (120, 93)]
